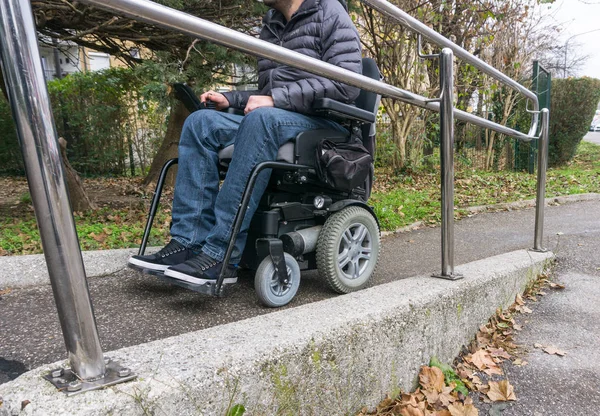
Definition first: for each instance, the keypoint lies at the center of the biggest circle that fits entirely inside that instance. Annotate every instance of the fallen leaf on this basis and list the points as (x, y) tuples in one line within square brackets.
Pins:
[(556, 285), (483, 361), (552, 350), (536, 345), (519, 300), (459, 409), (413, 411), (517, 327), (501, 391), (493, 370), (431, 378), (519, 362), (499, 352), (24, 403)]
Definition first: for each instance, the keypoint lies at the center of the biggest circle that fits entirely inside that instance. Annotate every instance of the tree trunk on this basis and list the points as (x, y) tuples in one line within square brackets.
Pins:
[(3, 85), (168, 148), (79, 198)]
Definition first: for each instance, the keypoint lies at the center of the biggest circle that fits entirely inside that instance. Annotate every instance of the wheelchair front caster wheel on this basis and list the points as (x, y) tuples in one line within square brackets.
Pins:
[(270, 290), (348, 249)]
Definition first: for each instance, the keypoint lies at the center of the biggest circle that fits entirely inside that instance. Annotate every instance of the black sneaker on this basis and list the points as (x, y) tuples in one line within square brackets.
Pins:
[(200, 270), (170, 255)]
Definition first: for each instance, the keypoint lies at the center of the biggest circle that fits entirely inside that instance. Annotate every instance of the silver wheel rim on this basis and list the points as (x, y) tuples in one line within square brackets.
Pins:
[(278, 288), (354, 252)]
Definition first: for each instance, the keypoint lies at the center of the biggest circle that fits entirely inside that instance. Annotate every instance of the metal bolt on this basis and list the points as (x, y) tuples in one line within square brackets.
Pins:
[(124, 372), (74, 386), (57, 373)]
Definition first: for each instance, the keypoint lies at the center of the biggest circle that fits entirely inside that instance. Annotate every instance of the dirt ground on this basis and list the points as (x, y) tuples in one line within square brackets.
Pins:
[(116, 193)]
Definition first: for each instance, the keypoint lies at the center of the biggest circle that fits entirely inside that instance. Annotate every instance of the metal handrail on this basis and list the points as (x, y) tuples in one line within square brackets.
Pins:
[(415, 25), (166, 17)]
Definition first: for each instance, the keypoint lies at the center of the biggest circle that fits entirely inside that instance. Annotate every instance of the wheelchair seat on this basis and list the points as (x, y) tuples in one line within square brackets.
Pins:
[(285, 154)]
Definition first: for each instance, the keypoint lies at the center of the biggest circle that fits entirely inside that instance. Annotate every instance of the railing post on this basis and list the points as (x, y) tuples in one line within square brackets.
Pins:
[(541, 181), (30, 104), (447, 162)]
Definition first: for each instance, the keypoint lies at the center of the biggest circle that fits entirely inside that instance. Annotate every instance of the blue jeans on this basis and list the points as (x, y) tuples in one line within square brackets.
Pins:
[(203, 215)]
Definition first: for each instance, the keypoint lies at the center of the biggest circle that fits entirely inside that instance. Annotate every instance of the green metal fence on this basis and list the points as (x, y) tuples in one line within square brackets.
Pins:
[(526, 153)]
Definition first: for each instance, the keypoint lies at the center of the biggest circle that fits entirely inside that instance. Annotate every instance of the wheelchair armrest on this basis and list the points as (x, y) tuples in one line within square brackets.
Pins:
[(187, 96), (342, 112)]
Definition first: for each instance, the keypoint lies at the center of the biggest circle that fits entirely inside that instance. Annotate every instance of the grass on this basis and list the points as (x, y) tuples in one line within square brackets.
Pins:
[(398, 200), (100, 229), (405, 199)]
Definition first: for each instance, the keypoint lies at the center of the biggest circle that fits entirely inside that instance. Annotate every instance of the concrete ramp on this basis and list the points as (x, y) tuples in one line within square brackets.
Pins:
[(325, 358)]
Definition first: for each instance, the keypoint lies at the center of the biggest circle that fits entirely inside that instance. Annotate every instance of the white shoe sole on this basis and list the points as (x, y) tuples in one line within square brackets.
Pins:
[(196, 280), (147, 265)]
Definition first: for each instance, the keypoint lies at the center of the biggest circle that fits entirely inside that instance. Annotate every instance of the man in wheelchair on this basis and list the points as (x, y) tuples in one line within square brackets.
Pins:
[(282, 109)]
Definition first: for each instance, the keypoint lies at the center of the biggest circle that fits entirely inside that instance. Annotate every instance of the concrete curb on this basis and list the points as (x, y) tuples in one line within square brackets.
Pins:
[(325, 358), (31, 270), (509, 206)]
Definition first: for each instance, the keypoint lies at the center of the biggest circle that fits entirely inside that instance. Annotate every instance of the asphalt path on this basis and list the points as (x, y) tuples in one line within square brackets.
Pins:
[(132, 308), (569, 320), (593, 137)]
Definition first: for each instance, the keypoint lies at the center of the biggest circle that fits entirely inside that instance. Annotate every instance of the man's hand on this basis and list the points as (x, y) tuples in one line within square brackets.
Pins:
[(256, 101), (219, 99)]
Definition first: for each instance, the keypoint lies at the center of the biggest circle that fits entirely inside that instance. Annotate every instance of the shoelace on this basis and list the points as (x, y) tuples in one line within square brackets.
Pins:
[(202, 262), (171, 248)]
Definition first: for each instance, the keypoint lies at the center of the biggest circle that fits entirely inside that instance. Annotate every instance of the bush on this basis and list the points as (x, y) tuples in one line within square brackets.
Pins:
[(112, 120), (11, 161), (573, 104)]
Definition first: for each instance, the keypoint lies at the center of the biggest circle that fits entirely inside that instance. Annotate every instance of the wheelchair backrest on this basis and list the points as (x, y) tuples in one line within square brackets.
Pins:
[(369, 101)]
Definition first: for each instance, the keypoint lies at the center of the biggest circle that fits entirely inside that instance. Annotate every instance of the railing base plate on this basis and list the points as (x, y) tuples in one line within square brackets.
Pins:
[(539, 250), (451, 276), (67, 382)]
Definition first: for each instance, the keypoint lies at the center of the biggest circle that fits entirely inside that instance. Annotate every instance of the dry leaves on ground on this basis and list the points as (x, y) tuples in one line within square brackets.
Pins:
[(552, 350), (432, 398), (466, 409), (501, 391), (492, 346)]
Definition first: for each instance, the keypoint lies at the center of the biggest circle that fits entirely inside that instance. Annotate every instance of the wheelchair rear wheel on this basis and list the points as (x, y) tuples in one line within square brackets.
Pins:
[(269, 289), (348, 249)]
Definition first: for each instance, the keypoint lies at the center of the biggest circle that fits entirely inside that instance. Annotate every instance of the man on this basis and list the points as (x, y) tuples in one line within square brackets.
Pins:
[(202, 215)]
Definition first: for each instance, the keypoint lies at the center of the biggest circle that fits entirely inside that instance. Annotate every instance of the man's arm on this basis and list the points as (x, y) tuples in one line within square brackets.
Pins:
[(341, 47), (239, 99)]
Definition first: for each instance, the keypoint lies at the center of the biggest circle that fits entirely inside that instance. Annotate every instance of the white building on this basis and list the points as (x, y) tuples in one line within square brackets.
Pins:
[(72, 58)]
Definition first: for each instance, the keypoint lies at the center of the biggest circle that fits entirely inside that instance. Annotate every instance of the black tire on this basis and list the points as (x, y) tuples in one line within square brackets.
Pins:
[(269, 290), (348, 249)]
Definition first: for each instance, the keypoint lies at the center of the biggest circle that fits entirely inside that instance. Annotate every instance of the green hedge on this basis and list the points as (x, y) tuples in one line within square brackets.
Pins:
[(573, 104), (111, 119)]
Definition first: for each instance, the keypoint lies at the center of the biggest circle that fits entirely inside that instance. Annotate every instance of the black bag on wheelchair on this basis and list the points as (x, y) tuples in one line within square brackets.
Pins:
[(343, 166)]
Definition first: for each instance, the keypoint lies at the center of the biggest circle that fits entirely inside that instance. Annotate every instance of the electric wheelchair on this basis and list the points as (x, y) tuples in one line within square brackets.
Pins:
[(301, 223)]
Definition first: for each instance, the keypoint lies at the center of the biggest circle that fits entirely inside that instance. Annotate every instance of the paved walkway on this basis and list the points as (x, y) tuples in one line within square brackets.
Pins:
[(133, 309), (568, 319), (592, 137)]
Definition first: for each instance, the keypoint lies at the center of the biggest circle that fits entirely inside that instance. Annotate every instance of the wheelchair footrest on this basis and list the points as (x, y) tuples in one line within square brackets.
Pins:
[(209, 289)]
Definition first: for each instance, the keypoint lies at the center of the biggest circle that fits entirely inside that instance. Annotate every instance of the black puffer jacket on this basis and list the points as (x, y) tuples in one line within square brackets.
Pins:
[(321, 29)]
